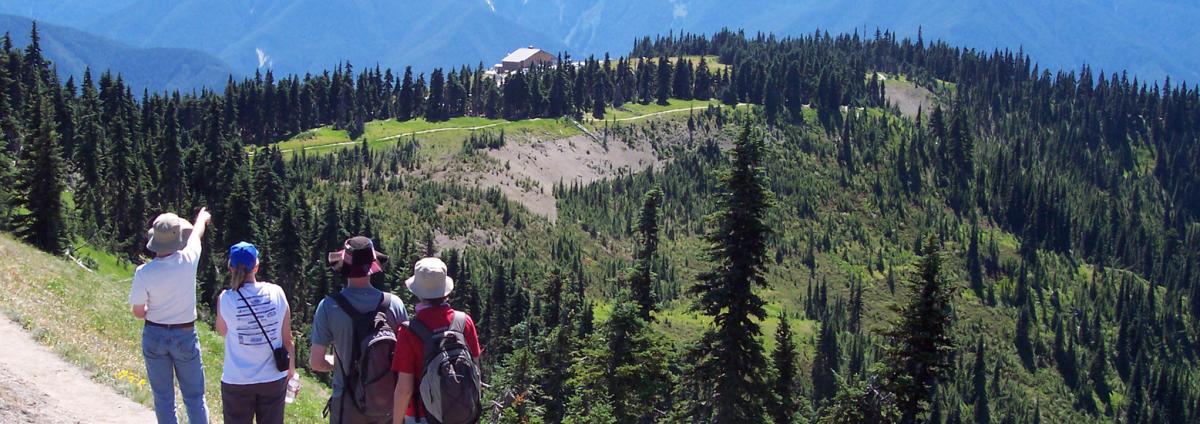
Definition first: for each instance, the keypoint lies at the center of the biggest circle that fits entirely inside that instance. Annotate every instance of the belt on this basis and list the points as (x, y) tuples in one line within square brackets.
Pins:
[(185, 325)]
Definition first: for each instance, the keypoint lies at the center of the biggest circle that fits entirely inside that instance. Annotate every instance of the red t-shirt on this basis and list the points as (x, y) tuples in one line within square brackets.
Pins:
[(410, 356)]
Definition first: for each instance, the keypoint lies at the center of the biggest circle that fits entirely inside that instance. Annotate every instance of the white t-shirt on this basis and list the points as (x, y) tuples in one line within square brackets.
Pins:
[(248, 356), (167, 286)]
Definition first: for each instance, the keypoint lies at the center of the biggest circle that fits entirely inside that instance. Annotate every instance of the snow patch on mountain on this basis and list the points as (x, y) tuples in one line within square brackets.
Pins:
[(264, 59), (680, 11)]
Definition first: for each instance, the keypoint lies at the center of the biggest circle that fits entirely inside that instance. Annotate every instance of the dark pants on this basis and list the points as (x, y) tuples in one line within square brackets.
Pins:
[(261, 403), (343, 411)]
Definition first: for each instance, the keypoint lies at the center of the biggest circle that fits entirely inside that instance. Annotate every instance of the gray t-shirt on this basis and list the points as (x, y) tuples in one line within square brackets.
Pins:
[(332, 326)]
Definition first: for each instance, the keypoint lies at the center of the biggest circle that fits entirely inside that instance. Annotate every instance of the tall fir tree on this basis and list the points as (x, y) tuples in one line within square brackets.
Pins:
[(784, 397), (598, 95), (404, 98), (45, 225), (827, 361), (644, 279), (682, 80), (983, 413), (703, 84), (793, 97), (773, 101), (627, 364), (435, 108), (921, 347), (8, 195), (663, 81), (732, 355)]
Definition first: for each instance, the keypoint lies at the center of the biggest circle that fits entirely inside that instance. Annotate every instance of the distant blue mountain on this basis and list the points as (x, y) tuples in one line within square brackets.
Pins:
[(297, 36), (157, 69), (1151, 39)]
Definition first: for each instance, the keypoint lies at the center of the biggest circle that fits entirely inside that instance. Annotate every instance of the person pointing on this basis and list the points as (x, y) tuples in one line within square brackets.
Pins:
[(163, 295)]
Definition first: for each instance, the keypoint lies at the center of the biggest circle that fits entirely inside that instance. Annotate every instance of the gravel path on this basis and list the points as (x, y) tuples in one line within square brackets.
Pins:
[(36, 386)]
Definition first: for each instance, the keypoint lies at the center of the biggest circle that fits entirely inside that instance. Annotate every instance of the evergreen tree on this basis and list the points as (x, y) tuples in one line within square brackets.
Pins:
[(920, 346), (8, 195), (404, 99), (773, 101), (683, 79), (598, 97), (1098, 372), (558, 105), (729, 94), (983, 414), (792, 94), (45, 225), (827, 363), (239, 217), (173, 181), (288, 260), (974, 263), (516, 93), (435, 108), (784, 402), (418, 97), (626, 365), (1024, 340), (732, 353), (646, 73), (663, 81), (703, 86), (859, 402), (644, 279)]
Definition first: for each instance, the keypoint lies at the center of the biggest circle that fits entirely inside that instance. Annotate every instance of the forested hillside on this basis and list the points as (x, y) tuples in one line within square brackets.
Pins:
[(154, 69), (1024, 249)]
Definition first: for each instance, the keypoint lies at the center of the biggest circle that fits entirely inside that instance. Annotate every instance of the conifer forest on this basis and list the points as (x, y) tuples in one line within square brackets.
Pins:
[(1021, 247)]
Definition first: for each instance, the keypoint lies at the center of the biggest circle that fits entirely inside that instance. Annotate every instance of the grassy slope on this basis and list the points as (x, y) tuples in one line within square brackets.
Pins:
[(439, 140), (711, 61), (436, 138), (83, 316), (634, 111)]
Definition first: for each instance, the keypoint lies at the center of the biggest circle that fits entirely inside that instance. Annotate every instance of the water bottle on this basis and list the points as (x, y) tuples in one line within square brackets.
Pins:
[(293, 387)]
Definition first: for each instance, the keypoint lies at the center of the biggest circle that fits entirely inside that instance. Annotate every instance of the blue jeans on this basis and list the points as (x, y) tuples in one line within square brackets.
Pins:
[(170, 354)]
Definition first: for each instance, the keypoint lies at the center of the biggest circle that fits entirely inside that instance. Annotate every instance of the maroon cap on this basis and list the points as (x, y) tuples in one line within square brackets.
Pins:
[(358, 258)]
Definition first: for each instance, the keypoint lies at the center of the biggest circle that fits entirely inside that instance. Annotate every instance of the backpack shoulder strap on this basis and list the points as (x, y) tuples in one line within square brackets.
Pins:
[(425, 334), (344, 303), (385, 302), (420, 329), (459, 323)]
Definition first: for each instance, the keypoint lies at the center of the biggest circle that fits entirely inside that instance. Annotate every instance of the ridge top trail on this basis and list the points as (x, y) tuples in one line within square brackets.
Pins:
[(38, 386)]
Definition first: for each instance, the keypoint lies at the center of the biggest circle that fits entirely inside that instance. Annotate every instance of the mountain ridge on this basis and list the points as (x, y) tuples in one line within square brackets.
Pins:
[(1148, 39), (154, 69)]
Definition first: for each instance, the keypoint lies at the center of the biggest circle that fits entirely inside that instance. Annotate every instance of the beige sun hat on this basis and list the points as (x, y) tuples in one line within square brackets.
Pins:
[(429, 280), (169, 234)]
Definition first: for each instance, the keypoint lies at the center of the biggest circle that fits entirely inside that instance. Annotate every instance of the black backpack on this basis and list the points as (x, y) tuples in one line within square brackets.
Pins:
[(450, 388), (369, 380)]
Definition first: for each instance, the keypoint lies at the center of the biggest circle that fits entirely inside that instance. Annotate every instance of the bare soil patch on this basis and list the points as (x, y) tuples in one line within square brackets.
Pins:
[(36, 386), (908, 97), (526, 171)]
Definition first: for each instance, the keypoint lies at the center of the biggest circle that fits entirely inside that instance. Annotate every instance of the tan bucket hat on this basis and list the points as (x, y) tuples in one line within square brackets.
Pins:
[(429, 280), (169, 234)]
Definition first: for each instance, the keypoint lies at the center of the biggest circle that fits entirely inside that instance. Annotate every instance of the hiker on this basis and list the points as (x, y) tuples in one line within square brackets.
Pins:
[(437, 355), (358, 323), (259, 350), (164, 295)]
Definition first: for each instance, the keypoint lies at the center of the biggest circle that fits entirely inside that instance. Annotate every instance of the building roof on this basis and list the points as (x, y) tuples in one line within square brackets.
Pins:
[(521, 54)]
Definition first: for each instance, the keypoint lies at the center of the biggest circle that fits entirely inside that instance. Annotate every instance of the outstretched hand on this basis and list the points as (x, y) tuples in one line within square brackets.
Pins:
[(203, 215)]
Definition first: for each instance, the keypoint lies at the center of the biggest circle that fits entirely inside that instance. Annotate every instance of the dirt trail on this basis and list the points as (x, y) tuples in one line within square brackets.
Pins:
[(36, 386)]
